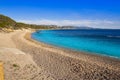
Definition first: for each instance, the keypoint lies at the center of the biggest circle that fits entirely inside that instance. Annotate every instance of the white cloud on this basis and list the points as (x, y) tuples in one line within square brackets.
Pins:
[(91, 23)]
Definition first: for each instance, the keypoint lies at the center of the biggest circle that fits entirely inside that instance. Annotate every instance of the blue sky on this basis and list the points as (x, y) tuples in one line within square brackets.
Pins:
[(94, 13)]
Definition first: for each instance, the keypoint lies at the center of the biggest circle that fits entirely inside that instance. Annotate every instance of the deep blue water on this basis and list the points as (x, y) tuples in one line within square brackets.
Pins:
[(97, 41)]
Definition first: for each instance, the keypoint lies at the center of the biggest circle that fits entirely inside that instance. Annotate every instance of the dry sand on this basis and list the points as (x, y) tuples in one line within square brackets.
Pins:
[(26, 59), (17, 64)]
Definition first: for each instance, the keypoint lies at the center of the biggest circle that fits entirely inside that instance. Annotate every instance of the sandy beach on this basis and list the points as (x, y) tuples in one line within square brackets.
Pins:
[(27, 59)]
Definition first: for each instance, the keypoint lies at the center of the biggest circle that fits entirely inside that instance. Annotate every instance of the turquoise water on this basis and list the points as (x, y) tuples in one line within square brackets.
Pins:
[(102, 42)]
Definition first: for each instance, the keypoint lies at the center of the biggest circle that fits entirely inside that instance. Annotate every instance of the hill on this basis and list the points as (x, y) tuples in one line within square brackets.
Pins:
[(8, 23), (75, 27)]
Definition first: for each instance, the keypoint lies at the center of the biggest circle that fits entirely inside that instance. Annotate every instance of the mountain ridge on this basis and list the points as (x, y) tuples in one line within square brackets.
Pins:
[(9, 23)]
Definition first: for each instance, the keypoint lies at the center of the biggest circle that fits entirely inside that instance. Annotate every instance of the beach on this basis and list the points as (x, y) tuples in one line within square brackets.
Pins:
[(27, 59)]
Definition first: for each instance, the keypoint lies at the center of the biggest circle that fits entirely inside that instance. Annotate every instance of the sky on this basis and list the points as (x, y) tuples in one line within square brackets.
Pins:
[(92, 13)]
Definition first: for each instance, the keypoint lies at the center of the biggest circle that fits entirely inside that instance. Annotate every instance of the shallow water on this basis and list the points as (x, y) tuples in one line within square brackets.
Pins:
[(97, 41)]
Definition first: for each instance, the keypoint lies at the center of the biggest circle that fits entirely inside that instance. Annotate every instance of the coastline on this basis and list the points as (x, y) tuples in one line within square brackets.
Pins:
[(68, 49), (93, 59), (73, 53), (53, 63)]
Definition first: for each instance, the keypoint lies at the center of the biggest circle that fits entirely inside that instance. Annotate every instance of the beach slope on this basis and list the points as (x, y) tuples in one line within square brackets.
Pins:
[(25, 59)]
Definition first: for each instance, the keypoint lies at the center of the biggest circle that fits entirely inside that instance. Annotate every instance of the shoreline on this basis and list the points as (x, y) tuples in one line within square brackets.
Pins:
[(54, 63), (70, 52), (68, 49), (94, 59)]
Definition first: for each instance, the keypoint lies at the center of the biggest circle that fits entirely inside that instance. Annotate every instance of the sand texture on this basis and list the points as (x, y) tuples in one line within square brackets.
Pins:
[(26, 59), (17, 64)]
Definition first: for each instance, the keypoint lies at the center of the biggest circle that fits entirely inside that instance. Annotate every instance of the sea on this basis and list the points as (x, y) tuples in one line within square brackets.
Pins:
[(105, 42)]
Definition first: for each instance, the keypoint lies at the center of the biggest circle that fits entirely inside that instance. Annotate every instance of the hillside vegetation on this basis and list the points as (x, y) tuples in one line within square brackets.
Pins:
[(8, 23)]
